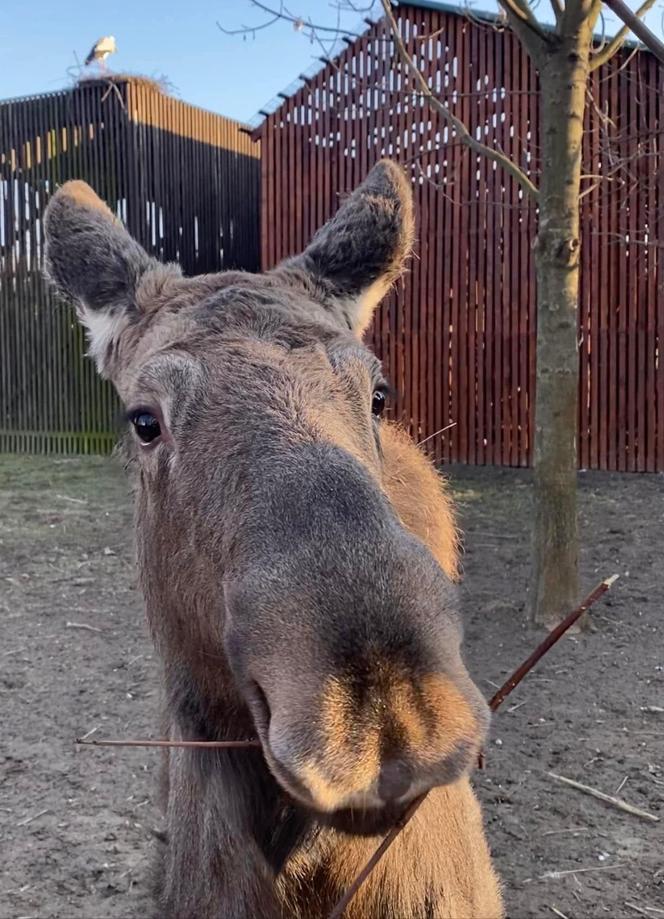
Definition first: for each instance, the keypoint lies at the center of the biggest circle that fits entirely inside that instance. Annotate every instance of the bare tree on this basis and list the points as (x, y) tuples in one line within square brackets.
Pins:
[(563, 58), (564, 54)]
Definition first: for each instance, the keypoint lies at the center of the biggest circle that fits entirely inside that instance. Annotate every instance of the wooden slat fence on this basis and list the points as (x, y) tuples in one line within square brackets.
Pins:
[(458, 337), (185, 181)]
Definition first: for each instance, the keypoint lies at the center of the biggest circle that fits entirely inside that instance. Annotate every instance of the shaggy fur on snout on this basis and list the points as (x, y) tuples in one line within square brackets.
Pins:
[(298, 559)]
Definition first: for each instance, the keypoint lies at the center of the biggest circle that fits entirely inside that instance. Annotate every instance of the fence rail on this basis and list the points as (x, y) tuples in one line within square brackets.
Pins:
[(458, 338), (185, 182)]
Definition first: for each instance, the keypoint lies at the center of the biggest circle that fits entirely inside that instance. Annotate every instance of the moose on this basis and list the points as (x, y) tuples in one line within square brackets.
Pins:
[(298, 557)]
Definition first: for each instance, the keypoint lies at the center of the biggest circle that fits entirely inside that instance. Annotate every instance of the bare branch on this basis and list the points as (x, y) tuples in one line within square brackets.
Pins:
[(640, 29), (462, 131), (618, 40), (283, 14), (349, 5), (624, 64), (554, 635), (610, 799), (522, 10), (297, 21), (578, 12), (244, 30), (558, 10), (524, 22), (602, 43)]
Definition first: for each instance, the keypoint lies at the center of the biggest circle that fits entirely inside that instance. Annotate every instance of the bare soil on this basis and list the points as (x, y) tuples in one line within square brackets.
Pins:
[(76, 826)]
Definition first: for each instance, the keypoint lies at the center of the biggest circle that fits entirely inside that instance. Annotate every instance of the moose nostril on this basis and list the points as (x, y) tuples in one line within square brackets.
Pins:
[(394, 780)]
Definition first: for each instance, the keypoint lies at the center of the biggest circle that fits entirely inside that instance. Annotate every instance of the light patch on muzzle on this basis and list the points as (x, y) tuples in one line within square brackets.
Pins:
[(418, 723)]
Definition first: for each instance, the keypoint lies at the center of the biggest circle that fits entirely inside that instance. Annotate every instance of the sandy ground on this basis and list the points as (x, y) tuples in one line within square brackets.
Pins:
[(76, 827)]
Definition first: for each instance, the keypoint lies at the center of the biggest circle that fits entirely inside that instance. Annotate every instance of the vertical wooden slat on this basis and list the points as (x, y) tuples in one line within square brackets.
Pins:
[(658, 342), (525, 269), (649, 356), (490, 247), (399, 302)]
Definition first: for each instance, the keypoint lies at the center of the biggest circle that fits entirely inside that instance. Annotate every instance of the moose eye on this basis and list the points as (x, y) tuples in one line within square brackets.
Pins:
[(378, 402), (145, 424)]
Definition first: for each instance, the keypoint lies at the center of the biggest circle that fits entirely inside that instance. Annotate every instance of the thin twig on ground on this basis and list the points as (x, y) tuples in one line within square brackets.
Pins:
[(645, 910), (621, 786), (558, 913), (82, 625), (514, 708), (608, 799), (652, 778), (636, 908), (27, 820), (73, 500), (556, 875), (90, 733)]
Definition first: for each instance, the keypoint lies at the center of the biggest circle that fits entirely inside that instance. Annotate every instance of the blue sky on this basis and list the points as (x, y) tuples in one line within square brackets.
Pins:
[(226, 74)]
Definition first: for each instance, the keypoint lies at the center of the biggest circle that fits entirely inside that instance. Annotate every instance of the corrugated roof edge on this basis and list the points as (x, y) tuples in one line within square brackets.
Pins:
[(257, 120), (316, 66), (495, 17)]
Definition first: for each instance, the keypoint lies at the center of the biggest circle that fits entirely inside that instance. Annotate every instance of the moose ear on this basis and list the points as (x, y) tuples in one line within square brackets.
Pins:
[(93, 261), (355, 258)]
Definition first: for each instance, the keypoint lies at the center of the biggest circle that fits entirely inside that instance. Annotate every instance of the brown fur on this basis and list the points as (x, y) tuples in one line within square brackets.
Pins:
[(298, 560), (438, 853), (417, 492)]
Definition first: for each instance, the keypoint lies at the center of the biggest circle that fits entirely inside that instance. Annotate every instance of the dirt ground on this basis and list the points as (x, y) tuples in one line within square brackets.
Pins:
[(76, 827)]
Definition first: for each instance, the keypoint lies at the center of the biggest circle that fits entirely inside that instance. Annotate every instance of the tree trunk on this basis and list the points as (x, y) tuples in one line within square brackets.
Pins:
[(563, 80)]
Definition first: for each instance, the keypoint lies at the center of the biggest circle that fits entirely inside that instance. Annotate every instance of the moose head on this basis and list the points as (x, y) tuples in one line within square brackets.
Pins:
[(289, 592)]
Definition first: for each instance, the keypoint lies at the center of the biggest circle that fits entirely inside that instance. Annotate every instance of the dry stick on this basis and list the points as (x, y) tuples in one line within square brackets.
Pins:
[(452, 424), (27, 820), (637, 908), (88, 734), (495, 702), (558, 912), (219, 744), (556, 875), (645, 910), (615, 802), (639, 28), (549, 641), (339, 909)]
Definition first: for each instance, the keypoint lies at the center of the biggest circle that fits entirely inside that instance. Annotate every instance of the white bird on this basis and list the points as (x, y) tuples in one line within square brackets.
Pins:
[(101, 50)]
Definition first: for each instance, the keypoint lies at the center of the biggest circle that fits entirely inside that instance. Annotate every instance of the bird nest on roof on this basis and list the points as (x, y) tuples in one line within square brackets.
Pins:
[(159, 84)]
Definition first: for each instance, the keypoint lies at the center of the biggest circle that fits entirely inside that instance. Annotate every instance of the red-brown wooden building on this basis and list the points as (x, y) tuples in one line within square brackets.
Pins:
[(458, 336)]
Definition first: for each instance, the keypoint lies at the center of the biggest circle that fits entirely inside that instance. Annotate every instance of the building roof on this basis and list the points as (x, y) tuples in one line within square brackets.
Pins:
[(147, 85), (345, 39)]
